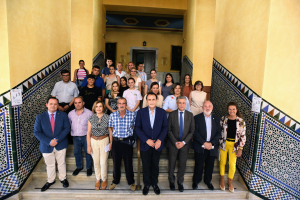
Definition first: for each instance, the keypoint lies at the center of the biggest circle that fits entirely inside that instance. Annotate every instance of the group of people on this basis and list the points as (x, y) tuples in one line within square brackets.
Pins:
[(110, 112)]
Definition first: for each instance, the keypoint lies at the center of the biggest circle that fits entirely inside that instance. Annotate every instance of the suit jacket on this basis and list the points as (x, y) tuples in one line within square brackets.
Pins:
[(143, 127), (43, 131), (173, 131), (200, 134)]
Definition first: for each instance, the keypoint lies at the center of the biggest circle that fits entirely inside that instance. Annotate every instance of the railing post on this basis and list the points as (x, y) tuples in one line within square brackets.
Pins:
[(138, 184)]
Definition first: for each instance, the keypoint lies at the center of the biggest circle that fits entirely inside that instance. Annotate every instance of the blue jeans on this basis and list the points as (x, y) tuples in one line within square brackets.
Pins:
[(79, 142)]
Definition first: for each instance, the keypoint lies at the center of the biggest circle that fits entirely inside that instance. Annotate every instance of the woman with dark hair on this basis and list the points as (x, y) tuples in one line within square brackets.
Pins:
[(80, 74), (155, 89), (166, 87), (187, 85), (123, 86), (170, 104), (231, 143), (109, 79), (153, 74), (197, 98), (111, 99)]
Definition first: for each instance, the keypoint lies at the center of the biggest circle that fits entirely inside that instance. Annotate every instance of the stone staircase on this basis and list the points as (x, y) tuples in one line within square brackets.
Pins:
[(82, 187)]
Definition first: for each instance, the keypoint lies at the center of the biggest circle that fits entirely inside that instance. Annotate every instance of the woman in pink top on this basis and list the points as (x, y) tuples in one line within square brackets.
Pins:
[(80, 74)]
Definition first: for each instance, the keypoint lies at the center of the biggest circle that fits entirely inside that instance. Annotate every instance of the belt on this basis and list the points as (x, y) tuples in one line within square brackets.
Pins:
[(230, 139), (99, 138), (120, 139)]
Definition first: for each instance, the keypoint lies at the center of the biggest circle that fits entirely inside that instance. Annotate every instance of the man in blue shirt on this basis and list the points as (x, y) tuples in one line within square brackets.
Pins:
[(120, 127), (152, 136), (98, 80), (105, 71)]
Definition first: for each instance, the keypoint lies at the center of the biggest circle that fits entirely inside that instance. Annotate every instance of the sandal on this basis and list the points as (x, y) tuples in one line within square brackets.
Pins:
[(97, 185)]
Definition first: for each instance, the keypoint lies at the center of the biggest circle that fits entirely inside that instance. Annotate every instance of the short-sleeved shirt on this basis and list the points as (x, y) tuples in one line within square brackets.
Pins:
[(122, 127), (122, 89), (166, 90), (65, 92), (99, 83), (120, 74), (144, 76), (170, 103), (79, 123), (99, 129), (90, 95), (149, 82), (132, 96), (113, 103), (105, 71)]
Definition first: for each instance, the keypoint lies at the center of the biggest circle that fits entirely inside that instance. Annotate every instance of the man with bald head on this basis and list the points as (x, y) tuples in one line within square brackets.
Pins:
[(205, 144)]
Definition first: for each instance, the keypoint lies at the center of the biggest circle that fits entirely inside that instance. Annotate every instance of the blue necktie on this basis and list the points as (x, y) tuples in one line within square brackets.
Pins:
[(181, 126)]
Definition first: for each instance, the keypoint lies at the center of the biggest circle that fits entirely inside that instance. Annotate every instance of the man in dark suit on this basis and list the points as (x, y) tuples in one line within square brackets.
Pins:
[(151, 126), (180, 134), (51, 129), (205, 144)]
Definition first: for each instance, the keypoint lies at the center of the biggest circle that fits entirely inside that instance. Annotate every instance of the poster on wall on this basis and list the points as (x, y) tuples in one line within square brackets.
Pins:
[(16, 97), (256, 102)]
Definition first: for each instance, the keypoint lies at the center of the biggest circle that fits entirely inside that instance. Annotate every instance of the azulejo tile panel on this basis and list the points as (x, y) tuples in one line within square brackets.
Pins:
[(6, 151), (278, 155), (99, 60), (187, 67), (35, 90), (276, 172)]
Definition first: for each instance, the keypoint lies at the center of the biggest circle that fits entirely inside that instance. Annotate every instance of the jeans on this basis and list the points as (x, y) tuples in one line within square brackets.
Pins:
[(79, 142), (78, 83)]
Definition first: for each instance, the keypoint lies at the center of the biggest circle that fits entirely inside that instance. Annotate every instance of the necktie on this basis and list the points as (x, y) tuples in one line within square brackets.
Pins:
[(181, 126), (52, 123)]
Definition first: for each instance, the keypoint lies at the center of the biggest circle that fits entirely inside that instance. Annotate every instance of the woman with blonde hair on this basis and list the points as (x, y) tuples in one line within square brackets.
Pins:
[(97, 139), (111, 99), (231, 143)]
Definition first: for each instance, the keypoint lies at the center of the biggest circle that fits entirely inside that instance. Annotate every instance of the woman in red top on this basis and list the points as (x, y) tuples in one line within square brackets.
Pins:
[(187, 85)]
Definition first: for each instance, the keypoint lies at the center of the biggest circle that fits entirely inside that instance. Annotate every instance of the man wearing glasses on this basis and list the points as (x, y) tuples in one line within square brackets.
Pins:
[(65, 91)]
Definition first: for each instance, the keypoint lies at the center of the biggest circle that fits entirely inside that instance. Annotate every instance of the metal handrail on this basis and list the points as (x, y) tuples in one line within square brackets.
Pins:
[(138, 184)]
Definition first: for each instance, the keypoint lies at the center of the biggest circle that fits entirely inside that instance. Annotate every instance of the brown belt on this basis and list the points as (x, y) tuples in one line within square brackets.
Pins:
[(99, 138)]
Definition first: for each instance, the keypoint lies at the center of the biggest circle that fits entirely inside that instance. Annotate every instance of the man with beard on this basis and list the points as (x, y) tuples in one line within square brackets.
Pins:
[(205, 144)]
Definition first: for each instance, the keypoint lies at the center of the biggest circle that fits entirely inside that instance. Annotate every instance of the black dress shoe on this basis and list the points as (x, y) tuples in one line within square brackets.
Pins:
[(46, 186), (89, 172), (210, 186), (76, 172), (180, 187), (195, 186), (156, 189), (146, 190), (65, 183), (172, 186)]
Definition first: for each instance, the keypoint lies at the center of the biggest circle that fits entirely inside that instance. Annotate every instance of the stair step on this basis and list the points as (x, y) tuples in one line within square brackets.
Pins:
[(79, 189)]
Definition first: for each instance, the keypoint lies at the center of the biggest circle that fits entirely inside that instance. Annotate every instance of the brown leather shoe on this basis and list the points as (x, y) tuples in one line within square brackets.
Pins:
[(97, 185), (222, 183), (104, 185), (231, 188)]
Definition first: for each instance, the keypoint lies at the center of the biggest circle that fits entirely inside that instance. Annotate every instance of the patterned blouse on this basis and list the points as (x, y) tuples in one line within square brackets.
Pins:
[(99, 129), (240, 137)]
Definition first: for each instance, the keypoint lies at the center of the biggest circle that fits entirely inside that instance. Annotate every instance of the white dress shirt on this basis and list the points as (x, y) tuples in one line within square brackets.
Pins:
[(65, 92), (120, 74), (208, 127)]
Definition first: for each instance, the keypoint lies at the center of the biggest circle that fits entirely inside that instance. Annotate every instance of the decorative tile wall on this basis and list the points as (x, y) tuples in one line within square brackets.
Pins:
[(99, 60), (35, 91), (271, 156), (186, 68)]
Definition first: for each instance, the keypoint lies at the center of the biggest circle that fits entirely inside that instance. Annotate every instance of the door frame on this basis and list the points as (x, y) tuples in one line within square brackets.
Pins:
[(145, 48)]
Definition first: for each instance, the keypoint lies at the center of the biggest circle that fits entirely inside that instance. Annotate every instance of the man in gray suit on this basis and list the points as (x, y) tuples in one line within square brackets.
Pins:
[(180, 134)]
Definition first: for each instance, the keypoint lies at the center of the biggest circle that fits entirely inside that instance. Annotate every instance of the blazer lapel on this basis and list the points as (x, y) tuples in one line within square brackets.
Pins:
[(57, 118), (203, 119), (177, 125), (212, 126), (147, 118), (47, 121)]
